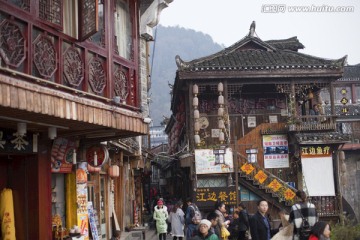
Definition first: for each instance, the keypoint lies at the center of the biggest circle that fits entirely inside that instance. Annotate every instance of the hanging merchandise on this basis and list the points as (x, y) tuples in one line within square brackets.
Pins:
[(7, 214)]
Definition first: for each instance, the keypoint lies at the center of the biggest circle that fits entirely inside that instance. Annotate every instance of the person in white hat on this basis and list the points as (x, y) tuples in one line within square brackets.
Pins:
[(203, 232)]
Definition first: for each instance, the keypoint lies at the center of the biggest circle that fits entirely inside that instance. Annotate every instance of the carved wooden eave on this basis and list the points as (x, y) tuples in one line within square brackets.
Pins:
[(322, 138), (150, 18), (73, 115)]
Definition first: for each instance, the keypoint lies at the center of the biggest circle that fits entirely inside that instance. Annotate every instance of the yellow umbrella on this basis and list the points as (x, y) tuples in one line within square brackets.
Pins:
[(7, 215)]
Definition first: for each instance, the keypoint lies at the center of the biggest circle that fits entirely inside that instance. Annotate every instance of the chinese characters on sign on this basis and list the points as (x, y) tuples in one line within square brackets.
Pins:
[(315, 151), (206, 197), (276, 151), (12, 142)]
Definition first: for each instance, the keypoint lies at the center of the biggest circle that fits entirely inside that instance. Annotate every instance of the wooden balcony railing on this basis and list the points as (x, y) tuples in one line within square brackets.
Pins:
[(313, 123), (326, 206)]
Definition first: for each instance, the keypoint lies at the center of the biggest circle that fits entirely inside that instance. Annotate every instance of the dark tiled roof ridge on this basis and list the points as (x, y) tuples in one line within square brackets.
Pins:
[(230, 49), (337, 61), (291, 43), (351, 73)]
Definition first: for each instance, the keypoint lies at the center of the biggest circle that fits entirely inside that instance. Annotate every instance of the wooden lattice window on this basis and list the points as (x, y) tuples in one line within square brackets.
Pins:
[(51, 12), (88, 19), (23, 4)]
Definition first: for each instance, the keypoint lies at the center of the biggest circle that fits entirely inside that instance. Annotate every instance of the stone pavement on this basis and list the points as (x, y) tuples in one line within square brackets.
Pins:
[(149, 235)]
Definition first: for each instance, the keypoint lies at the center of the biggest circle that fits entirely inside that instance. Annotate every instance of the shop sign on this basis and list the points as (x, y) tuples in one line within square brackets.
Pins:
[(81, 199), (206, 161), (276, 151), (12, 142), (316, 151), (62, 155), (206, 197)]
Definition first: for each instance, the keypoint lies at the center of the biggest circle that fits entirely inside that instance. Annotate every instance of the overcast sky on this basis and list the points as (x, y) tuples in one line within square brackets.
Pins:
[(324, 34)]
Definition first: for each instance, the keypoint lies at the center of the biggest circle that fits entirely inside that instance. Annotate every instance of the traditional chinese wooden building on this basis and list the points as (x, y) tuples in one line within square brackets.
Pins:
[(73, 98), (246, 113)]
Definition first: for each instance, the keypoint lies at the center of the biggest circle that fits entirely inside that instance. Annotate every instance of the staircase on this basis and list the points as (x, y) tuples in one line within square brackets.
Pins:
[(258, 179), (266, 185)]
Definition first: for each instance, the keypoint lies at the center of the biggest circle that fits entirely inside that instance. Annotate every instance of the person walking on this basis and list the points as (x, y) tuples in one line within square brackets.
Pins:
[(303, 215), (234, 226), (220, 210), (243, 220), (160, 216), (286, 229), (214, 218), (320, 231), (177, 221), (192, 218), (203, 232), (260, 228)]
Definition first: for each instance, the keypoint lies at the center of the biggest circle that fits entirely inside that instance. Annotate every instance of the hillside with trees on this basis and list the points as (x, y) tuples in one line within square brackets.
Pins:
[(169, 42)]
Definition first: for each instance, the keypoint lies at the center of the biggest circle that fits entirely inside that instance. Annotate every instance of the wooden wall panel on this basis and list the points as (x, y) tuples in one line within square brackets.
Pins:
[(14, 100), (30, 101), (37, 102), (22, 98)]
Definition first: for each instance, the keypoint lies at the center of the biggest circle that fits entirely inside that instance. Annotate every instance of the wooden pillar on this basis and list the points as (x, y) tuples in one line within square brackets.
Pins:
[(44, 193), (332, 99)]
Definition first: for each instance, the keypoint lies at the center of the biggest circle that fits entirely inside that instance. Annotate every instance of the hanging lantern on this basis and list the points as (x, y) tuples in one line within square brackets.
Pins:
[(196, 114), (114, 171), (197, 126), (195, 89), (220, 87), (195, 102), (221, 137), (220, 111), (93, 169), (21, 129), (221, 124), (197, 139), (221, 100)]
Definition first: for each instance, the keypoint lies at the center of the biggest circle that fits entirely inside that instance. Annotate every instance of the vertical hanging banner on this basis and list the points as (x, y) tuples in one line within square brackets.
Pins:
[(7, 215), (276, 151), (81, 200)]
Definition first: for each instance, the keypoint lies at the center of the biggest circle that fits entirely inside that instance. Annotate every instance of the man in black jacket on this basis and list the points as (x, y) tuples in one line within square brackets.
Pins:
[(260, 228)]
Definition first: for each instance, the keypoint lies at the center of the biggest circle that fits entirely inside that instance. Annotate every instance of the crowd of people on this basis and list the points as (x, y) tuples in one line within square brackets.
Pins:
[(300, 224)]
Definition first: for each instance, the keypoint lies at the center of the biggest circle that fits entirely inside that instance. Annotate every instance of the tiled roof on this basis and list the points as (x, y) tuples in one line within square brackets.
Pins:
[(351, 73), (253, 54), (289, 44)]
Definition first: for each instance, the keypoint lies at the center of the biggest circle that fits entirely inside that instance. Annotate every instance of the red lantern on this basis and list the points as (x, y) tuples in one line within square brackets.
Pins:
[(114, 171)]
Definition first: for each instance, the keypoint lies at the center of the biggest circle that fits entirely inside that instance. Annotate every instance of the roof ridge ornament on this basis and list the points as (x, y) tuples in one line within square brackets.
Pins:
[(252, 29), (180, 63)]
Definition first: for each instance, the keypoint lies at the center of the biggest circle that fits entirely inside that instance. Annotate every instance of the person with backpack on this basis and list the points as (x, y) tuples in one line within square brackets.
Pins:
[(192, 218), (304, 216)]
